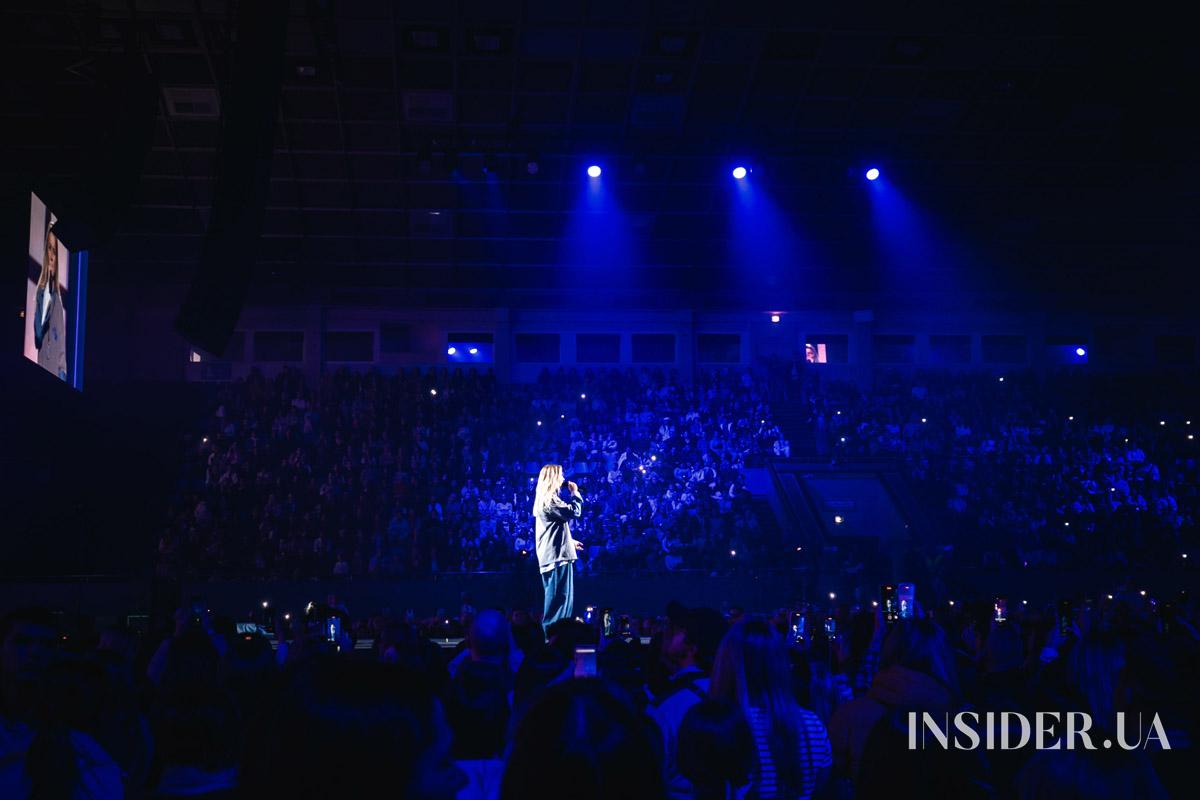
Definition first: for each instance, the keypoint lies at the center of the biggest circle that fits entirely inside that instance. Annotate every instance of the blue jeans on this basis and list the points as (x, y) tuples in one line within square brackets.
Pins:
[(559, 585)]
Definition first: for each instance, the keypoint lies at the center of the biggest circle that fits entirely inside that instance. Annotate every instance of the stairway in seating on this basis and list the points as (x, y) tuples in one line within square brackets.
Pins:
[(792, 419), (768, 525)]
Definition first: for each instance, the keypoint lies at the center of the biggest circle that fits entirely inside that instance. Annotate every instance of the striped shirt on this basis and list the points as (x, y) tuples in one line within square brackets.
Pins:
[(813, 754)]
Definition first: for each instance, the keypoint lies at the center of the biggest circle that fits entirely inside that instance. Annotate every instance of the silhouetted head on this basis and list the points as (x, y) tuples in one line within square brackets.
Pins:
[(345, 728), (920, 645), (715, 749), (582, 740)]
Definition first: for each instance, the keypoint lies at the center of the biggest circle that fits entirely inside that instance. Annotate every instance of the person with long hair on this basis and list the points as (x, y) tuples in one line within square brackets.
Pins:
[(584, 740), (49, 318), (556, 549), (916, 673), (793, 758)]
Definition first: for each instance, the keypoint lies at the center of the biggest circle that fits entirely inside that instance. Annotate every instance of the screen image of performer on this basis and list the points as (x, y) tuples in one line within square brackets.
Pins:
[(50, 320), (556, 549)]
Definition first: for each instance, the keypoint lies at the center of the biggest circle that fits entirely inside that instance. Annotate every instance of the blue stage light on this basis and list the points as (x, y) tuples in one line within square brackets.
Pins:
[(872, 174), (451, 351), (594, 171), (739, 172), (1081, 352), (474, 351)]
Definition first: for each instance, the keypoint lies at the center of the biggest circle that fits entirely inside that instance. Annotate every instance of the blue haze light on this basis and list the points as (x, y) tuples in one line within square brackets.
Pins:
[(1081, 352), (872, 174), (739, 172), (593, 171), (451, 351)]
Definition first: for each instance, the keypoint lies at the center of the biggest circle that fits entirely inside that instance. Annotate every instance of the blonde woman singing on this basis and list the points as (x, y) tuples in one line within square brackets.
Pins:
[(555, 548)]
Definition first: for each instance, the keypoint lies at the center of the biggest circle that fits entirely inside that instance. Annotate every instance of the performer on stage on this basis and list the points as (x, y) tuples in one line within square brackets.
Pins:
[(555, 547)]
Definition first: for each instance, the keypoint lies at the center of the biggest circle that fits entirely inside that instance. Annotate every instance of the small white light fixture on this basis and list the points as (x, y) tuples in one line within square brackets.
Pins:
[(775, 318), (433, 392)]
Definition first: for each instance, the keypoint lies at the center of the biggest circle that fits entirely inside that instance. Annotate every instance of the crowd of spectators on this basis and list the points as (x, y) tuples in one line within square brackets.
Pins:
[(692, 704), (366, 475), (373, 475), (1021, 470)]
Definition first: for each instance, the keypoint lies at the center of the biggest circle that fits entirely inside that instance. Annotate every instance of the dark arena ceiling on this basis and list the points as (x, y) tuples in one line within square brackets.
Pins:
[(1052, 142)]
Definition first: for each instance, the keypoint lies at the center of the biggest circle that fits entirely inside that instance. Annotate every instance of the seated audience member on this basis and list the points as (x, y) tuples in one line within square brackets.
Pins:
[(567, 634), (688, 647), (1158, 678), (581, 740), (527, 634), (27, 646), (192, 656), (28, 641), (124, 731), (792, 752), (619, 662), (543, 666), (49, 716), (1002, 685), (1095, 669), (197, 733), (339, 727), (916, 673), (477, 708), (1089, 775), (716, 750), (889, 769), (489, 640)]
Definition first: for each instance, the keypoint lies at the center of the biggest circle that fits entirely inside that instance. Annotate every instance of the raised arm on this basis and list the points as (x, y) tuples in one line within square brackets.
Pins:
[(571, 509)]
